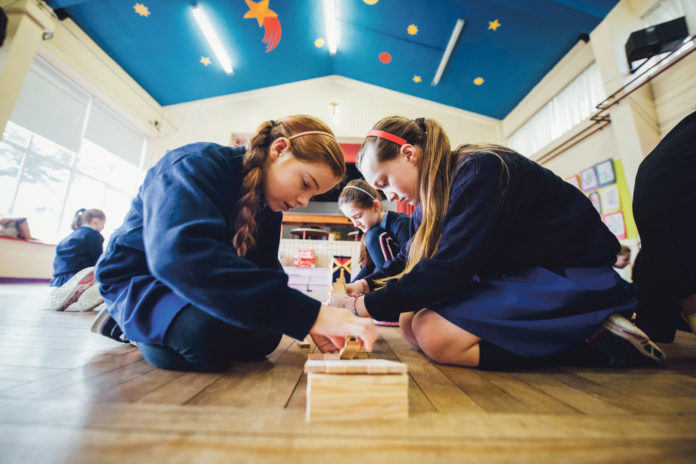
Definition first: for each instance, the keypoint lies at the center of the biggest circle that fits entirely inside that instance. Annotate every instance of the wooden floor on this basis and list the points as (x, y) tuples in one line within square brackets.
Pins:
[(67, 395)]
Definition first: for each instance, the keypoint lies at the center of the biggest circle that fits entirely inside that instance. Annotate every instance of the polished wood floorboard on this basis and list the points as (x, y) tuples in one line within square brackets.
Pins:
[(70, 396)]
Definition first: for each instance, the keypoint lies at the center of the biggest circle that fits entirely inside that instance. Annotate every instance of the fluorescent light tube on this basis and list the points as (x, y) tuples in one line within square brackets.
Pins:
[(332, 32), (448, 51), (213, 39)]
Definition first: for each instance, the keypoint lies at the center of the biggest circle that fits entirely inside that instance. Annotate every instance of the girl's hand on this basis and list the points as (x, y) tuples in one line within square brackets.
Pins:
[(350, 302), (358, 287), (335, 324)]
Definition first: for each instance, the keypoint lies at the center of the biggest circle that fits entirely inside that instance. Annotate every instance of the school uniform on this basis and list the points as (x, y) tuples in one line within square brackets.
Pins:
[(174, 250), (384, 241), (524, 262), (77, 251), (664, 202)]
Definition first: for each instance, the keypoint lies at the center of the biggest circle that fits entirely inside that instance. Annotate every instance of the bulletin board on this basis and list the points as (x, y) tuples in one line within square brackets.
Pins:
[(605, 186)]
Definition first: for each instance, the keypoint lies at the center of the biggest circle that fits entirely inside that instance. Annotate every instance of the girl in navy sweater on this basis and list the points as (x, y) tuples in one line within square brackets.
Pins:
[(192, 276), (73, 266), (510, 266), (385, 233)]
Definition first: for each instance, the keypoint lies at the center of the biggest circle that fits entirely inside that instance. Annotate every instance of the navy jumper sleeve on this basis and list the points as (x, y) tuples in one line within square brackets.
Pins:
[(471, 229), (184, 239), (95, 246)]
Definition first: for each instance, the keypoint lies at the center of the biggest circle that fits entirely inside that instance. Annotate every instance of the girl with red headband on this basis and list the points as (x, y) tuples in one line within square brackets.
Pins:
[(509, 266), (192, 276)]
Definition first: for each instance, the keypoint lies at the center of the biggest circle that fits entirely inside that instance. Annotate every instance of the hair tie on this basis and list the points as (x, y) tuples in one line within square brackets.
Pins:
[(272, 122), (421, 124), (358, 188), (294, 136), (386, 136)]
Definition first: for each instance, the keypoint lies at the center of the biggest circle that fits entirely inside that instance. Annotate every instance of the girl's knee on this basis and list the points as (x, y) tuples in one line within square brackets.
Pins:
[(442, 341), (405, 320)]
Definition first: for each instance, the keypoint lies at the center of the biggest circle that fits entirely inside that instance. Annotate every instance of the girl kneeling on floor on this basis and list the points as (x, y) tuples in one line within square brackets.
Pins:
[(73, 286), (385, 233), (192, 276), (510, 266)]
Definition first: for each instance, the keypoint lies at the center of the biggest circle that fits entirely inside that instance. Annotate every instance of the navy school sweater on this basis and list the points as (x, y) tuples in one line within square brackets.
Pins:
[(174, 248), (538, 219)]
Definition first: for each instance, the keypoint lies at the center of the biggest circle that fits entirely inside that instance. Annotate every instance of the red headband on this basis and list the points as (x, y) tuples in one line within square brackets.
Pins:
[(387, 136)]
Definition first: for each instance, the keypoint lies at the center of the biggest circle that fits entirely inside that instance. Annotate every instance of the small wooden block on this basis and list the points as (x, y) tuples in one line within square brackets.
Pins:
[(324, 356), (305, 343), (351, 347), (356, 397), (354, 366)]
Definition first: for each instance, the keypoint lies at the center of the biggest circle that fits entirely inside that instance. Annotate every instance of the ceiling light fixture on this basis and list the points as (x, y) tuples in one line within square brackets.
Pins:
[(332, 31), (213, 39), (448, 51)]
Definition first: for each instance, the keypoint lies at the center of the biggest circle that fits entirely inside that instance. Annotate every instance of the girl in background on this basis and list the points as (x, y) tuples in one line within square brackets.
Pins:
[(73, 266), (385, 233), (192, 276), (509, 266)]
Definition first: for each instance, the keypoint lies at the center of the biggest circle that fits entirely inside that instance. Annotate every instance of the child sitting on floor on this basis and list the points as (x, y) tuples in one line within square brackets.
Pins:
[(72, 286)]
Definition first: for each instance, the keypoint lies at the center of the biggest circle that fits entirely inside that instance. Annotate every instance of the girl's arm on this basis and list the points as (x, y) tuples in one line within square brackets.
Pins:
[(472, 228)]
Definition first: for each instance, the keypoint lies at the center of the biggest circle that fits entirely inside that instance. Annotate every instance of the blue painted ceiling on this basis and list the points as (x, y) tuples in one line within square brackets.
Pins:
[(505, 48)]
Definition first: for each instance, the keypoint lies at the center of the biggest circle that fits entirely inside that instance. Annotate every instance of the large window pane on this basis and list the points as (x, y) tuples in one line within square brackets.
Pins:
[(50, 149), (10, 161), (125, 176), (95, 161), (40, 197), (116, 206), (16, 134), (84, 193)]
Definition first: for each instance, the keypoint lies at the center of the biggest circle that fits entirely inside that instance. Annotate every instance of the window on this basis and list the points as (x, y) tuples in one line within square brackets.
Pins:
[(572, 105), (50, 166)]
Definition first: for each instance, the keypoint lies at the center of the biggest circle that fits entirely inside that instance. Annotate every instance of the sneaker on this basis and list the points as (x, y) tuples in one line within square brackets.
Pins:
[(89, 299), (624, 344), (106, 325), (68, 293)]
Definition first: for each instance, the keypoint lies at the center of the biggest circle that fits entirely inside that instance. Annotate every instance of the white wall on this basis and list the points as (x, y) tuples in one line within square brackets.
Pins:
[(359, 107)]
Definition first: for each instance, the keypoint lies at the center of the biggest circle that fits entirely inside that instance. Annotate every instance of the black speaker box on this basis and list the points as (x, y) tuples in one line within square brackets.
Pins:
[(656, 39), (3, 26)]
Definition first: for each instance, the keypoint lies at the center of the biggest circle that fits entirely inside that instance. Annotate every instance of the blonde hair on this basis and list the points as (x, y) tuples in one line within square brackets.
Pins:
[(84, 216), (363, 195), (320, 147), (436, 168)]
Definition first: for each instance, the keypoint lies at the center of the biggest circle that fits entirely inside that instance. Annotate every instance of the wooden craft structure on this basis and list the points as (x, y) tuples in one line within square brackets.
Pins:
[(356, 389)]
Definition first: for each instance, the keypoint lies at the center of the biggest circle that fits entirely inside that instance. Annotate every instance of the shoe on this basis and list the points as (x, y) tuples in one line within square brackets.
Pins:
[(623, 344), (89, 299), (106, 325), (68, 293)]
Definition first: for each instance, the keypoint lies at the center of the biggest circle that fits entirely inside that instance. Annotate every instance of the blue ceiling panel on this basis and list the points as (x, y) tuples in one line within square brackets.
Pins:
[(505, 48)]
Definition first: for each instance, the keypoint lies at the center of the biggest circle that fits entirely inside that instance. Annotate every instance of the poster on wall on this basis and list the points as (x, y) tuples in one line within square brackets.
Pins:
[(605, 173), (573, 180), (615, 223), (594, 198), (588, 179), (610, 199)]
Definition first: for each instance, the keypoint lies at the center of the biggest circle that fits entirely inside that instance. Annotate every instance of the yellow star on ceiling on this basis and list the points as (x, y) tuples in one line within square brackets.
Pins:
[(493, 25), (319, 43), (478, 81), (141, 9), (259, 11), (417, 79), (205, 60), (412, 29)]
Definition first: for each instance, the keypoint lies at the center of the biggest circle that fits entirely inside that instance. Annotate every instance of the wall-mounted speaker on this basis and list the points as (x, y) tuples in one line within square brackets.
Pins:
[(3, 26), (653, 40)]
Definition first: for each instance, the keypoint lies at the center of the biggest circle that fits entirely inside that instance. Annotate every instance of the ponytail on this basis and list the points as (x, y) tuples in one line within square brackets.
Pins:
[(436, 168), (84, 216)]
